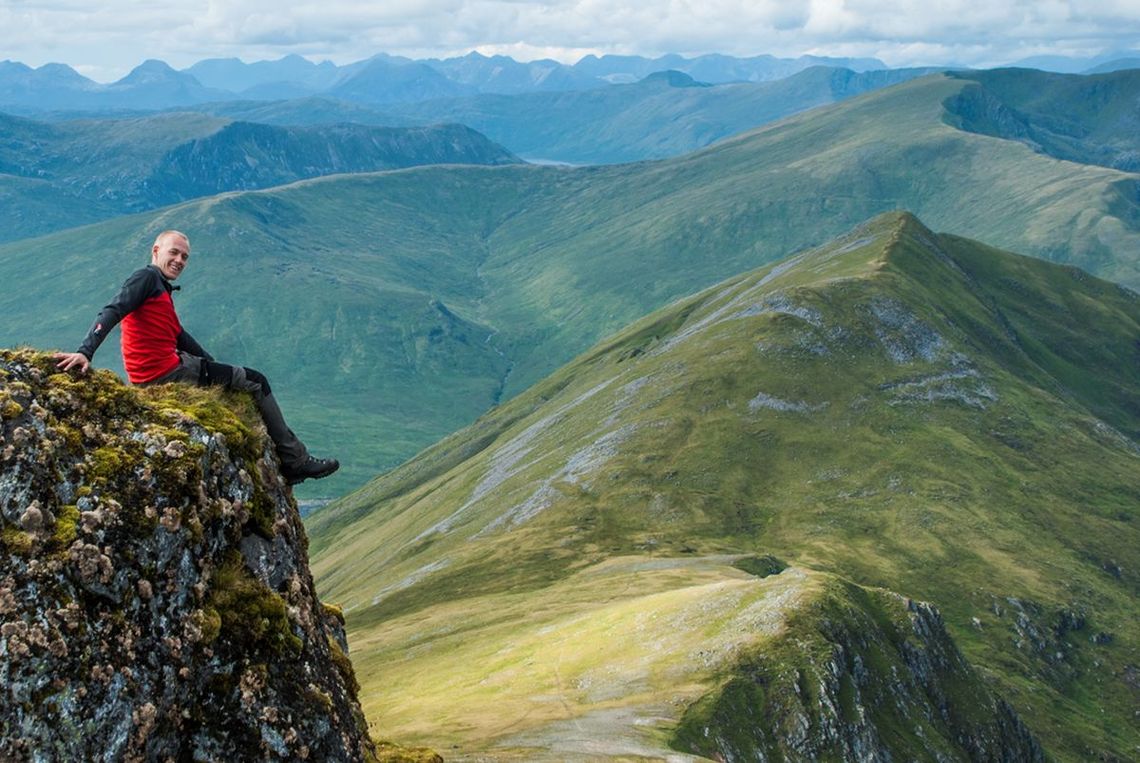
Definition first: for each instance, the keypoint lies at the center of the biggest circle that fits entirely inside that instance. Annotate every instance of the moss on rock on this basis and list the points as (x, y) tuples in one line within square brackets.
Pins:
[(251, 615), (154, 566)]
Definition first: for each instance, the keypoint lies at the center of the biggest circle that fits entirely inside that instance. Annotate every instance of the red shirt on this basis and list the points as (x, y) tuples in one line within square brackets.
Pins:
[(152, 333), (150, 339)]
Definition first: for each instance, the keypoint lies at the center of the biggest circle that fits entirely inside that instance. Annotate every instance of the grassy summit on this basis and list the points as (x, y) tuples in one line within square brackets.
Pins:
[(907, 410)]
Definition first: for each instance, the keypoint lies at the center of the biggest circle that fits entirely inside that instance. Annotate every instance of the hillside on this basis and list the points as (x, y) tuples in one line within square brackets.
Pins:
[(666, 114), (418, 299), (1091, 119), (33, 206), (97, 169), (1085, 119), (308, 111), (615, 556)]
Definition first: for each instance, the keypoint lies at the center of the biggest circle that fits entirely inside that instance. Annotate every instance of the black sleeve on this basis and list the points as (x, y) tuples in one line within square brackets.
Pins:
[(136, 289), (189, 344)]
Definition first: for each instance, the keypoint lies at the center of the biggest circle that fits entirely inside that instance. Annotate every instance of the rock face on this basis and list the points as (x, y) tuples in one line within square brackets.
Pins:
[(155, 595), (863, 674)]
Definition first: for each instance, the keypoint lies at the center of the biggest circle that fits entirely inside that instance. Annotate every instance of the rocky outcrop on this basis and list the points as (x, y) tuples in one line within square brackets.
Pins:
[(155, 595), (861, 674)]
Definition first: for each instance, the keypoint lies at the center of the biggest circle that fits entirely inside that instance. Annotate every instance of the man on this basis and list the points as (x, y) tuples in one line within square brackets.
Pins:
[(157, 350)]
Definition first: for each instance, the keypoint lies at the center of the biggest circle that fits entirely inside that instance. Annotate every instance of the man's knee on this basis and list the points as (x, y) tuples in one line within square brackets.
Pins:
[(214, 374), (259, 379), (251, 381)]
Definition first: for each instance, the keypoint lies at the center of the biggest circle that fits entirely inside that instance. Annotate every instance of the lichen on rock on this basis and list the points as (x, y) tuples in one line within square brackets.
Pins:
[(155, 595)]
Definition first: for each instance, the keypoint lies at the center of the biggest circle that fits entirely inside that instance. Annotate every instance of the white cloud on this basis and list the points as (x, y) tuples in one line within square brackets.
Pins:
[(111, 37)]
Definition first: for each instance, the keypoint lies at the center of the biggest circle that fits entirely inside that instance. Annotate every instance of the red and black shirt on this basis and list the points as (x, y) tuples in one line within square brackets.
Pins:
[(152, 334)]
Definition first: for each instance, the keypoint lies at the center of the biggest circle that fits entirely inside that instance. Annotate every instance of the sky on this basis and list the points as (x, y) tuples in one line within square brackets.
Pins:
[(106, 39)]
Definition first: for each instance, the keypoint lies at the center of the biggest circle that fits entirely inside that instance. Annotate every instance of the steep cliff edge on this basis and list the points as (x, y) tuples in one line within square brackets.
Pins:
[(859, 674), (155, 595)]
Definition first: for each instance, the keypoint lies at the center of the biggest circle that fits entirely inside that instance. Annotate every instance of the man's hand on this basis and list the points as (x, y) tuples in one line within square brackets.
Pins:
[(70, 360)]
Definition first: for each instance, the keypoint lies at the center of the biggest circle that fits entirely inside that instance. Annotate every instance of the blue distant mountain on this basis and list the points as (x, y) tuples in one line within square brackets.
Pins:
[(291, 72), (58, 91), (154, 84), (502, 74), (383, 81), (151, 85), (1079, 65), (51, 85), (1116, 65), (665, 114), (715, 68)]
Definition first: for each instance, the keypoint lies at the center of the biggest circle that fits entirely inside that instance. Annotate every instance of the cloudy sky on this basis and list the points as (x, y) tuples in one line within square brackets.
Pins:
[(105, 39)]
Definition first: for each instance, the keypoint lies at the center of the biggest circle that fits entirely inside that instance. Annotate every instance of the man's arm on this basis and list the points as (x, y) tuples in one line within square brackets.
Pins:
[(140, 285), (189, 344)]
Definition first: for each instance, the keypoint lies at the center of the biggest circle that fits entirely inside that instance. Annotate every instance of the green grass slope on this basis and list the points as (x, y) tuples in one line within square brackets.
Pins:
[(32, 206), (391, 309), (907, 410), (117, 166)]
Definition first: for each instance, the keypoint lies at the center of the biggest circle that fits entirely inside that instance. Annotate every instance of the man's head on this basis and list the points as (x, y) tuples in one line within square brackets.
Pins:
[(170, 253)]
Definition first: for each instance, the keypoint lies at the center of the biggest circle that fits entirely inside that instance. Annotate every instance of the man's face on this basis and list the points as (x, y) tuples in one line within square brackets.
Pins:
[(170, 255)]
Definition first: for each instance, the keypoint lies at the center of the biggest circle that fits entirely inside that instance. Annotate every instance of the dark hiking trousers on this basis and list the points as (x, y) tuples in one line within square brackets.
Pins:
[(207, 373)]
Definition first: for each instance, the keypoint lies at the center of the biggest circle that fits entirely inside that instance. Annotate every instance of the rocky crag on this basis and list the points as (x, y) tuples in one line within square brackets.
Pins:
[(860, 674), (155, 595)]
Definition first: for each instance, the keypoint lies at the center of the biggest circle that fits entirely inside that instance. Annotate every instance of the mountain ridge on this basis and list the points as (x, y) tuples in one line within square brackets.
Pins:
[(100, 168), (1089, 119), (862, 410)]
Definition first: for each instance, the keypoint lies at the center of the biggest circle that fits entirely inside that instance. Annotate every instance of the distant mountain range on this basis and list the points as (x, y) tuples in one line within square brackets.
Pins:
[(476, 73), (386, 79), (1109, 61), (636, 554), (151, 85), (1091, 119), (378, 80), (65, 173), (666, 114), (422, 297)]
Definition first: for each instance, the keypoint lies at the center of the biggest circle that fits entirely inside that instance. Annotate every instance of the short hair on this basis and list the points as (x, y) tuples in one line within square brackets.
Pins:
[(170, 232)]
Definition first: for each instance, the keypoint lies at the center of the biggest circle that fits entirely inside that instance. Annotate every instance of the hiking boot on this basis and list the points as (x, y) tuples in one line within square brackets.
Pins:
[(310, 469)]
